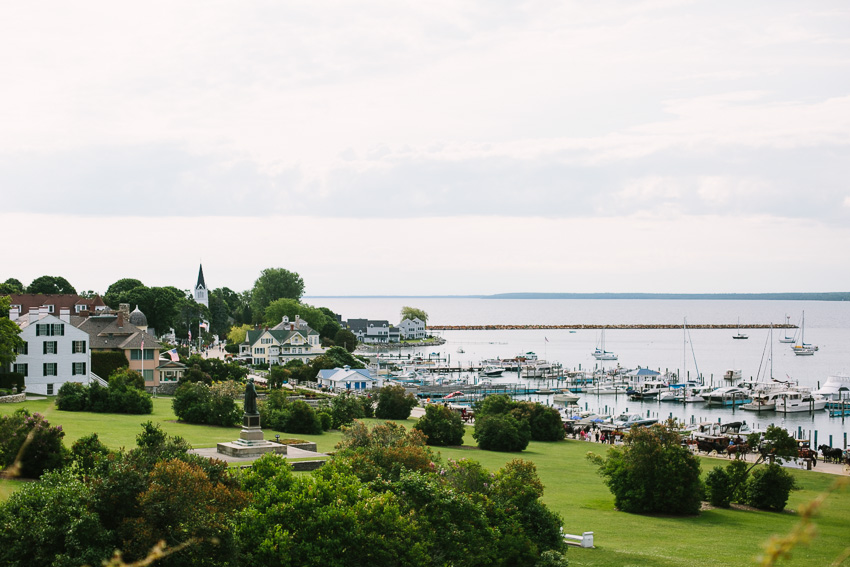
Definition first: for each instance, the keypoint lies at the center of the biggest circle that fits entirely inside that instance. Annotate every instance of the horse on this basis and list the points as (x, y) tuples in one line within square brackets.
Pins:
[(740, 451), (831, 455)]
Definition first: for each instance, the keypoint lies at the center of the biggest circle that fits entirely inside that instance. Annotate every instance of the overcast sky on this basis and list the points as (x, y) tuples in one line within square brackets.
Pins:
[(429, 148)]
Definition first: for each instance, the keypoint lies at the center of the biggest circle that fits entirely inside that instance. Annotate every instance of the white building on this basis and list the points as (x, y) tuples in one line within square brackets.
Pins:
[(412, 328), (347, 379), (288, 340), (201, 292), (54, 351)]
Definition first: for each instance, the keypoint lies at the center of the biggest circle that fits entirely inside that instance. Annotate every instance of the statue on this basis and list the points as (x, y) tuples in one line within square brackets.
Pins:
[(250, 398)]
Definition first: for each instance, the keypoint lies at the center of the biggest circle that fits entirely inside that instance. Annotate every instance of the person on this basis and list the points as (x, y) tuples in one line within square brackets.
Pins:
[(250, 405)]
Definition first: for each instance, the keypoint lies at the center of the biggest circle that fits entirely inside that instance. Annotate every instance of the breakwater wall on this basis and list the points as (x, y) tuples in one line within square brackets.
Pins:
[(591, 326)]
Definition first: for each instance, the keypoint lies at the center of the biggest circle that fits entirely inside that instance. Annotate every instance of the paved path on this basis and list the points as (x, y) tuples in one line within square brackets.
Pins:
[(291, 453)]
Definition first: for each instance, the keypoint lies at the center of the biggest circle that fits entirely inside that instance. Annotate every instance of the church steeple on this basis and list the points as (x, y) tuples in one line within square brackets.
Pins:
[(201, 288)]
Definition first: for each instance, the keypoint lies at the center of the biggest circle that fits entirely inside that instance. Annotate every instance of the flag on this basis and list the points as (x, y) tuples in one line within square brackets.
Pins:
[(174, 356), (546, 339), (143, 344), (190, 335), (204, 325)]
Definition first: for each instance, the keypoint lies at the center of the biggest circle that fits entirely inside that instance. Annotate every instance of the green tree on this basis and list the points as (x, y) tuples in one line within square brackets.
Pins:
[(394, 403), (52, 523), (11, 286), (112, 297), (441, 425), (501, 432), (769, 487), (653, 473), (106, 362), (413, 313), (50, 284), (544, 422), (346, 339), (237, 335), (384, 451), (29, 445), (10, 340), (494, 404), (273, 284), (345, 408), (778, 444)]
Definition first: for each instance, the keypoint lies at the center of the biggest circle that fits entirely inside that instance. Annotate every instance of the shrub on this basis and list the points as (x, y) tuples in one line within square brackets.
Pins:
[(653, 473), (345, 408), (30, 444), (501, 432), (719, 487), (543, 421), (89, 453), (195, 402), (384, 451), (494, 404), (769, 488), (10, 380), (72, 396), (326, 419), (394, 402), (441, 425), (104, 363), (303, 419)]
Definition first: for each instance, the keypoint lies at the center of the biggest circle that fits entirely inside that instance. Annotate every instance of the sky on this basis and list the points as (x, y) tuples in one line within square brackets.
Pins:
[(439, 148)]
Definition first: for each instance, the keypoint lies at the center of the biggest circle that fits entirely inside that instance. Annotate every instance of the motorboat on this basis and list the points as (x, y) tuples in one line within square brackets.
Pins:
[(836, 389), (566, 398), (492, 371), (649, 390), (609, 387), (762, 402), (799, 401), (627, 420), (733, 375), (728, 396)]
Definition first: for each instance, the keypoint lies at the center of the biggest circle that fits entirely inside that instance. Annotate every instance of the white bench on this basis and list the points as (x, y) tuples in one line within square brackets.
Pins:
[(583, 540)]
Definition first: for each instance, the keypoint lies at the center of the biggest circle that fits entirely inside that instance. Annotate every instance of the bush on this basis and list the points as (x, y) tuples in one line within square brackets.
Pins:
[(769, 488), (347, 407), (543, 421), (326, 419), (105, 363), (653, 473), (494, 404), (72, 396), (195, 402), (394, 403), (441, 425), (10, 380), (501, 432), (719, 487), (384, 451), (43, 451), (90, 454)]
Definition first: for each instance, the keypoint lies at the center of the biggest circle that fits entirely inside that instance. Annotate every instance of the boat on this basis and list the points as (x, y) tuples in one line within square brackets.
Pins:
[(728, 396), (786, 338), (492, 371), (600, 353), (607, 387), (649, 390), (836, 390), (762, 402), (799, 401), (627, 420), (803, 349), (566, 398), (733, 375), (460, 350), (765, 393), (739, 334)]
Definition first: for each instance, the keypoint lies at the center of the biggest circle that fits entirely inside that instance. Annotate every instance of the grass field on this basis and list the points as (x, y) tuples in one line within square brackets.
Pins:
[(573, 488)]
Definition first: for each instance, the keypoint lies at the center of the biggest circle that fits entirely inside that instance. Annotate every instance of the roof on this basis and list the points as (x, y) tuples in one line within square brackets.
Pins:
[(345, 374), (281, 336), (644, 372), (29, 301), (113, 332), (201, 282)]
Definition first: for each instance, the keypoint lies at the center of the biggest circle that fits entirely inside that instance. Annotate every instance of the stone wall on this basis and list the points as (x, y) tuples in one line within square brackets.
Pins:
[(14, 399), (164, 388)]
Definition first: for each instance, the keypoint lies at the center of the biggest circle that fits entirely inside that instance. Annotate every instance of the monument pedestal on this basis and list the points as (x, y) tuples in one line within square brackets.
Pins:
[(250, 442)]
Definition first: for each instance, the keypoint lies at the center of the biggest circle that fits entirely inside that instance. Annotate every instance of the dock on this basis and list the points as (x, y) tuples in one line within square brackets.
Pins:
[(577, 326)]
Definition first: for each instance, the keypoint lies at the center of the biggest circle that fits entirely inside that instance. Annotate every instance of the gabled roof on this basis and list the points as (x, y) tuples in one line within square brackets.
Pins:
[(345, 374), (112, 332), (201, 282), (281, 336), (29, 301)]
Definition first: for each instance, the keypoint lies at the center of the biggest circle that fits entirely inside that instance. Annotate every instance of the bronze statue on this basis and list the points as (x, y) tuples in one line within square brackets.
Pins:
[(250, 398)]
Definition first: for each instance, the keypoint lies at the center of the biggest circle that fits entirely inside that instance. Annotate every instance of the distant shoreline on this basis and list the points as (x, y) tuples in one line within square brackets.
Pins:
[(824, 296)]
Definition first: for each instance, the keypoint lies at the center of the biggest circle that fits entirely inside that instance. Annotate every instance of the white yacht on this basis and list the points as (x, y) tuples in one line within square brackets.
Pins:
[(728, 396), (836, 389), (799, 401)]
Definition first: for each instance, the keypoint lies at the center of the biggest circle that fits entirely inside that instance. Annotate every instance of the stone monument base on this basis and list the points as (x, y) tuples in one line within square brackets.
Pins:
[(250, 442)]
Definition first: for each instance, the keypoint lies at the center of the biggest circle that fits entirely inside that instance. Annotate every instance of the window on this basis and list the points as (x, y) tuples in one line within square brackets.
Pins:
[(50, 369), (266, 341), (49, 330), (50, 309), (58, 329), (259, 350), (78, 368), (136, 354), (23, 349), (50, 347), (78, 347), (50, 389), (21, 369), (148, 375)]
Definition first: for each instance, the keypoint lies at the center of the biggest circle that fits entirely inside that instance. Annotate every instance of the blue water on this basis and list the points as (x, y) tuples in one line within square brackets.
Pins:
[(712, 351)]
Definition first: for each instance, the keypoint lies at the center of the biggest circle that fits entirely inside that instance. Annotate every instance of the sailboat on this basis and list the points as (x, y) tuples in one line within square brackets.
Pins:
[(786, 338), (739, 334), (600, 353), (803, 349), (765, 394)]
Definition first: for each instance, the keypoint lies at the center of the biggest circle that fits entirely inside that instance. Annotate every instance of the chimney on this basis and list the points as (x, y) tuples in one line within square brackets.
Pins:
[(33, 314), (65, 314), (121, 318), (125, 309), (14, 313)]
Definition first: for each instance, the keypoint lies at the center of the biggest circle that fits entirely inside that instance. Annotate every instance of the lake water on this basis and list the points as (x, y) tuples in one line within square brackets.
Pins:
[(713, 351)]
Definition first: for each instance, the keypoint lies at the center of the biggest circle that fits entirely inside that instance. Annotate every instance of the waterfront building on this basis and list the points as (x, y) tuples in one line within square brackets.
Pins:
[(368, 331), (412, 328), (347, 379)]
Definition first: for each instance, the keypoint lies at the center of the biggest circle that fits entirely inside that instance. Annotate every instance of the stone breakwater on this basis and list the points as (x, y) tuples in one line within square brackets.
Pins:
[(583, 326)]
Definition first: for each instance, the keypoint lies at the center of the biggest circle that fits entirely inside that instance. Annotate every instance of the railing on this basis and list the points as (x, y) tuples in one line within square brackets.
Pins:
[(98, 379)]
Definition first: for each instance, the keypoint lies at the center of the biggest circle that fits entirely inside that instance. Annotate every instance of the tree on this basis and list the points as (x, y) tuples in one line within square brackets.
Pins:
[(346, 339), (50, 284), (10, 340), (543, 421), (413, 313), (384, 451), (237, 335), (394, 402), (345, 408), (112, 297), (501, 432), (29, 445), (11, 286), (441, 425), (778, 444), (105, 362), (653, 473), (274, 283), (769, 488)]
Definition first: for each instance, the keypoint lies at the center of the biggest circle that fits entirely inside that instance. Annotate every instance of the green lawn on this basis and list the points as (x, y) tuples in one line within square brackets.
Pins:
[(714, 538)]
